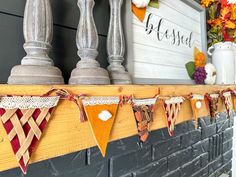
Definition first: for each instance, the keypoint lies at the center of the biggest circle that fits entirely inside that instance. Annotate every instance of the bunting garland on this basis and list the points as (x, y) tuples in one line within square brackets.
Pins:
[(172, 106), (25, 117), (196, 104), (143, 111)]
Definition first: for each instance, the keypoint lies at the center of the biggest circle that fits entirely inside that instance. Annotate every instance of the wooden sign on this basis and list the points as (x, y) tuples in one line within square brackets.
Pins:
[(159, 47)]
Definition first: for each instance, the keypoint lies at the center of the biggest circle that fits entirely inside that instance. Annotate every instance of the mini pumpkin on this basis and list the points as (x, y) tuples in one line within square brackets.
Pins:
[(211, 74)]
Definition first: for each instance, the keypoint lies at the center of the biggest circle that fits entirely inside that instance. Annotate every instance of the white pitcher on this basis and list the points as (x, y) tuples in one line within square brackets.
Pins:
[(224, 60)]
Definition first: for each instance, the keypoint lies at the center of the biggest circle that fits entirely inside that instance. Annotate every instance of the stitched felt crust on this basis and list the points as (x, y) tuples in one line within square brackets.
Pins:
[(15, 142)]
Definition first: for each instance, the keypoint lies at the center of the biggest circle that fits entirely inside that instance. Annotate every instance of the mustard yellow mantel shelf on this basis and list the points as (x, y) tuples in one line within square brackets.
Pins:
[(66, 134)]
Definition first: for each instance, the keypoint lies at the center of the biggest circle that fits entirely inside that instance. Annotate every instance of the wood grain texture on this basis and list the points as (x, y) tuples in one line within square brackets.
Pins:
[(65, 134)]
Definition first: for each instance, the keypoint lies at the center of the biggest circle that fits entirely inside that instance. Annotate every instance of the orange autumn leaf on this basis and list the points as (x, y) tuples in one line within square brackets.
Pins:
[(233, 12), (216, 22), (206, 3), (139, 12), (230, 24), (234, 34), (224, 3)]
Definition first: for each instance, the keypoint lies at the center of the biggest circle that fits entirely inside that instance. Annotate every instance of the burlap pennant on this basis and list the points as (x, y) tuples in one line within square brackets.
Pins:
[(213, 103), (227, 100), (25, 119), (196, 104), (172, 106), (101, 113), (143, 111)]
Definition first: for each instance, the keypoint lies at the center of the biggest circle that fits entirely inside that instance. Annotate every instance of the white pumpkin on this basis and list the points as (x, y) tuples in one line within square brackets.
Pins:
[(141, 3), (211, 74)]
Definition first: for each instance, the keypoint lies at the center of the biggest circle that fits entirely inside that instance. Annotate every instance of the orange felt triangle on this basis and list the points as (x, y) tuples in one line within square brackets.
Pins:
[(139, 12), (101, 129), (195, 110)]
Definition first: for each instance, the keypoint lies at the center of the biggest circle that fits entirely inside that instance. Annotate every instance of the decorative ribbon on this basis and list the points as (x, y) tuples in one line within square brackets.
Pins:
[(125, 100), (64, 94)]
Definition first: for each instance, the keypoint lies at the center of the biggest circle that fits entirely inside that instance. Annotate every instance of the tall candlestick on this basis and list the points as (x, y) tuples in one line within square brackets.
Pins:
[(116, 45), (36, 67), (88, 70)]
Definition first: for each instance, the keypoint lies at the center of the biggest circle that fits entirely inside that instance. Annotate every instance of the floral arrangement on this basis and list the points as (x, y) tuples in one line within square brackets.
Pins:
[(199, 70), (222, 20)]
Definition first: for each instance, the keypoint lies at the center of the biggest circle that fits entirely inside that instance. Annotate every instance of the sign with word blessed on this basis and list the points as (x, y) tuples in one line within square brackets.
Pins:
[(159, 47)]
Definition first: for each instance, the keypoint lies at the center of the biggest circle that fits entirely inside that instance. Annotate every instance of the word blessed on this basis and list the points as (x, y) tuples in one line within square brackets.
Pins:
[(172, 35)]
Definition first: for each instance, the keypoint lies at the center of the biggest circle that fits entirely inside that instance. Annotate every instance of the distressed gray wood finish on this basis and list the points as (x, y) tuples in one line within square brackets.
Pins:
[(116, 45), (36, 67), (88, 70)]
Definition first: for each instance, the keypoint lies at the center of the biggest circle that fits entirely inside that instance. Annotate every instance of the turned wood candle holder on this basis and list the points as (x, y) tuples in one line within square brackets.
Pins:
[(88, 70), (37, 67), (116, 46)]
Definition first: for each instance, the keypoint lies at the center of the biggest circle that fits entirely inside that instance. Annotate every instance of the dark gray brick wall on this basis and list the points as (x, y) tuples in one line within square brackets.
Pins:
[(205, 152)]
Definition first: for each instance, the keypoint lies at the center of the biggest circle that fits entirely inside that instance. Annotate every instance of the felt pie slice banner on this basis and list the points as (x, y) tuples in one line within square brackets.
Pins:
[(143, 111), (24, 119), (227, 100), (213, 103), (196, 104), (234, 99), (172, 106), (101, 113)]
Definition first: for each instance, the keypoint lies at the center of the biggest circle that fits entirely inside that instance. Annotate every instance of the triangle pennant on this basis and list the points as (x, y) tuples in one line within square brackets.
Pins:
[(196, 104), (213, 103), (172, 106), (25, 119), (234, 99), (143, 111), (140, 13), (101, 113), (227, 100)]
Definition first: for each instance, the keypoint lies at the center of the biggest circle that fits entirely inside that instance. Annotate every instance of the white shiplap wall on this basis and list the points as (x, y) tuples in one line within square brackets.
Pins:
[(151, 58)]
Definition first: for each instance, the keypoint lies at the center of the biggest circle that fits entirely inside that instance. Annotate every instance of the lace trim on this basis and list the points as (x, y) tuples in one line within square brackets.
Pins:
[(214, 95), (227, 94), (198, 97), (90, 101), (148, 101), (27, 102), (174, 100)]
